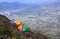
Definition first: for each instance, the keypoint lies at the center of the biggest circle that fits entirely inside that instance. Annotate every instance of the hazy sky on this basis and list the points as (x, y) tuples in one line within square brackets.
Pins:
[(30, 1)]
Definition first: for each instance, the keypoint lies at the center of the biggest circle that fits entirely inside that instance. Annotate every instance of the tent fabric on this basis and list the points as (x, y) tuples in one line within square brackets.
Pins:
[(17, 22), (12, 21), (20, 27), (24, 27)]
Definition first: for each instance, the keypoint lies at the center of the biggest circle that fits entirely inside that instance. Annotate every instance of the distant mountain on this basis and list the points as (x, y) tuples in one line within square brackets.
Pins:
[(14, 5), (29, 9), (43, 10)]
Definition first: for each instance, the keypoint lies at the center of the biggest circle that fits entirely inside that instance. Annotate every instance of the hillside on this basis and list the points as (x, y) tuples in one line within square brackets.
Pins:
[(9, 31)]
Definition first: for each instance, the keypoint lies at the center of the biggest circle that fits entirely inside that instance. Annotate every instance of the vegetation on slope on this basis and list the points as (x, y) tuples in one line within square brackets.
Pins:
[(10, 31)]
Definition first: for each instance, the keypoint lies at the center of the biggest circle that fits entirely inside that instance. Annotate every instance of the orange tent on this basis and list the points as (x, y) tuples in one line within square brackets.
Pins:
[(20, 27)]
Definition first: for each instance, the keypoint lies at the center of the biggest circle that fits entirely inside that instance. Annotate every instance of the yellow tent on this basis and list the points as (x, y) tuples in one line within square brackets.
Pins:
[(17, 22)]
